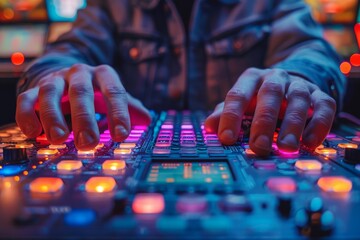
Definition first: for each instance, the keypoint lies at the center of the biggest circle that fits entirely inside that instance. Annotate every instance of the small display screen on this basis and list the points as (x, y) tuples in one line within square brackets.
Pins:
[(189, 172), (22, 10), (27, 39), (334, 11), (64, 10)]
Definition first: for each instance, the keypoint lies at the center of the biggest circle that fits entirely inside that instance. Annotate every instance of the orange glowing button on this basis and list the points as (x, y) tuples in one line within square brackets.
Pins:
[(308, 165), (86, 153), (114, 165), (100, 145), (100, 184), (281, 184), (347, 145), (248, 151), (57, 146), (326, 151), (69, 165), (122, 151), (335, 184), (148, 203), (46, 185), (127, 145), (24, 145), (47, 152)]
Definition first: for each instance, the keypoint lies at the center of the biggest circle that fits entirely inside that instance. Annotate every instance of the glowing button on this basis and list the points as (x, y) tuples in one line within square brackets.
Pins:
[(86, 153), (46, 185), (47, 152), (148, 203), (122, 151), (281, 184), (347, 145), (326, 151), (308, 165), (335, 184), (127, 145), (100, 184), (24, 145), (69, 165), (57, 146), (114, 165)]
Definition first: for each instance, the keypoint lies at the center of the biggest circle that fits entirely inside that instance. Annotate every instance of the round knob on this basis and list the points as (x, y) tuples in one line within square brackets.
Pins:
[(352, 155), (14, 155)]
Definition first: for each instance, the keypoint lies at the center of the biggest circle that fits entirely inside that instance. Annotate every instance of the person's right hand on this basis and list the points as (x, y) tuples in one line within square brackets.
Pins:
[(79, 82)]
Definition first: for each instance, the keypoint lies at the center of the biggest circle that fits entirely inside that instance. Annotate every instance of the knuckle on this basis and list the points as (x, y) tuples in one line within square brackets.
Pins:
[(47, 89), (80, 89), (231, 115), (329, 102), (115, 92), (78, 67), (104, 68), (83, 116), (253, 71), (24, 97), (299, 92), (267, 114), (296, 117), (280, 73), (275, 88), (236, 95)]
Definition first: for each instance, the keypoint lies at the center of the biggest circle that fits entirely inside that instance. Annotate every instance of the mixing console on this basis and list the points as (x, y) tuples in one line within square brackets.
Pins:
[(173, 180)]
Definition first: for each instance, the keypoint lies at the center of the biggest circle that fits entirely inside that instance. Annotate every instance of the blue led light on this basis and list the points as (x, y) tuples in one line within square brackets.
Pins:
[(80, 217), (11, 170)]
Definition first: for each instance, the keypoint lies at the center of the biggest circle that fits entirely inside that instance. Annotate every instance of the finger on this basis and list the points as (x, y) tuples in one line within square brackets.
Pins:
[(236, 102), (50, 91), (26, 117), (212, 121), (321, 122), (81, 97), (139, 115), (298, 103), (269, 98), (116, 100)]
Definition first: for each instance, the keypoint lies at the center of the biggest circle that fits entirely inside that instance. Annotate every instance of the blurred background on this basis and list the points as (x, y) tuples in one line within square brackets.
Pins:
[(27, 25)]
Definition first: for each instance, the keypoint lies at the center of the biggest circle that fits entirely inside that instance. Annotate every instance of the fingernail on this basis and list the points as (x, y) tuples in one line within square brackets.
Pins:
[(311, 140), (290, 140), (120, 131), (84, 139), (263, 142), (227, 135), (56, 133)]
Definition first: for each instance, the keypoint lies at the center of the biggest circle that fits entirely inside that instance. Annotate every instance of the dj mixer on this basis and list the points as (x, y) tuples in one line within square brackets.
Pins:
[(172, 179)]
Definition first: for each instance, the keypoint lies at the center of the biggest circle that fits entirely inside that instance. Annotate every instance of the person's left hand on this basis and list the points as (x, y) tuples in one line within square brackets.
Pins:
[(263, 93)]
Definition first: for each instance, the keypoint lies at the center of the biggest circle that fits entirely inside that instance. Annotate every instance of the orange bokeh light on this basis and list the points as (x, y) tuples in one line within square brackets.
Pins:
[(17, 58), (345, 67), (46, 185), (148, 203), (335, 184)]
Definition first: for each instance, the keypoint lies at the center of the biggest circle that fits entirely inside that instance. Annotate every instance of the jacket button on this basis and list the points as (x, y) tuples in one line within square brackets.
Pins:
[(134, 53)]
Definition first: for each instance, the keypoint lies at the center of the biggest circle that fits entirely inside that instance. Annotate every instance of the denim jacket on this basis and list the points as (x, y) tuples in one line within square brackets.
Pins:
[(145, 42)]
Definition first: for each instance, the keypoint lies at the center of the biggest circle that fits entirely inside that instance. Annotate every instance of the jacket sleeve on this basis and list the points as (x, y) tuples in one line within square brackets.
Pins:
[(296, 45), (90, 41)]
